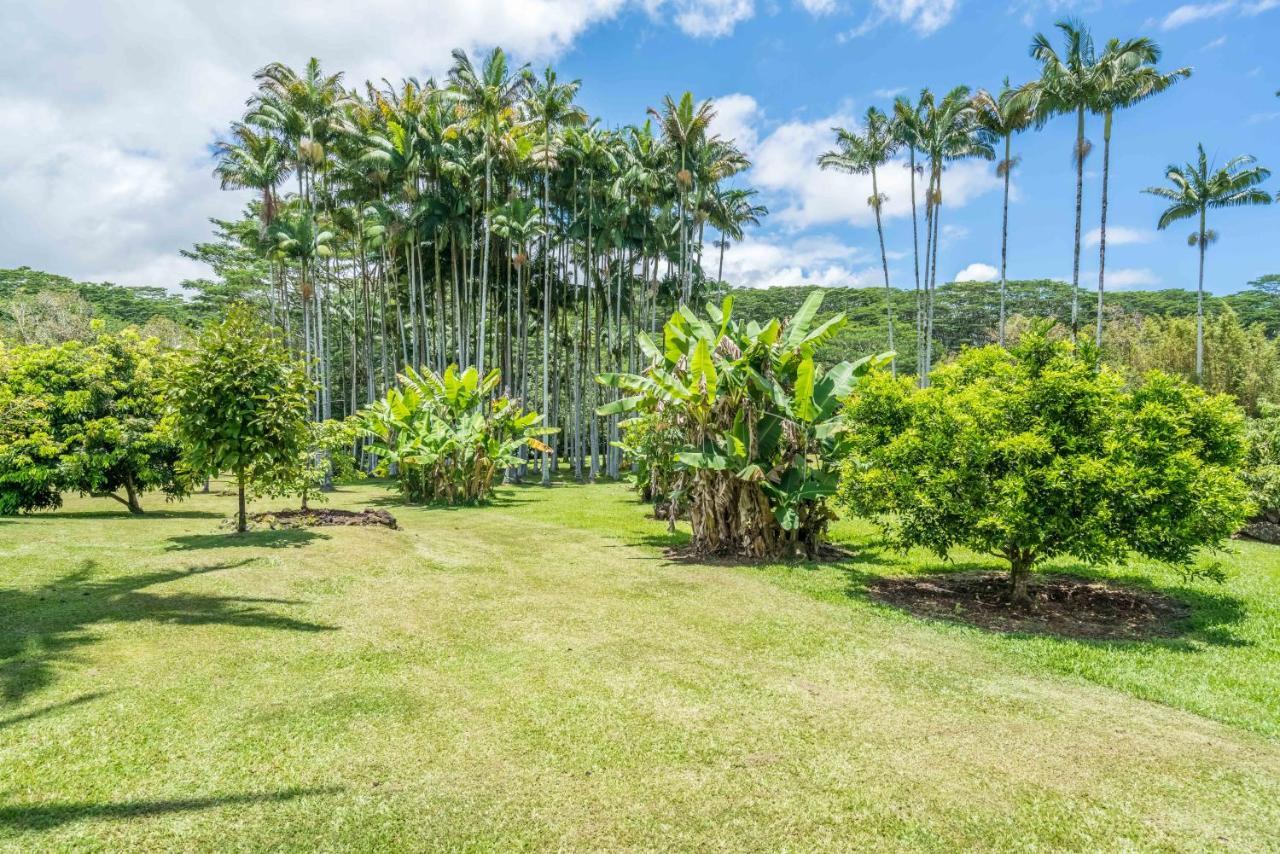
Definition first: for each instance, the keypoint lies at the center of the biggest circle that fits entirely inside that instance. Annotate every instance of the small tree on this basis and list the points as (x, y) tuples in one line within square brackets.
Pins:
[(89, 418), (240, 401), (1039, 452)]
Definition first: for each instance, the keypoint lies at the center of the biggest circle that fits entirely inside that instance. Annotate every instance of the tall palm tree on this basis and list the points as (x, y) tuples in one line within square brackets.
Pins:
[(1128, 76), (861, 153), (1068, 84), (489, 97), (731, 209), (909, 132), (684, 128), (1000, 117), (551, 105), (950, 132), (1198, 187)]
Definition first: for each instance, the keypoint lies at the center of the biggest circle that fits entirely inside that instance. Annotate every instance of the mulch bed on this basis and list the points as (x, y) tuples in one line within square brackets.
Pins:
[(1061, 605), (319, 517)]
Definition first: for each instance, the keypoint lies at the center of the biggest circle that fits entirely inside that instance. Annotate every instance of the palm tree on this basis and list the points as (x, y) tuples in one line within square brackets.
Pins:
[(860, 154), (489, 97), (1000, 117), (908, 130), (1128, 76), (551, 104), (731, 209), (684, 128), (1197, 187), (1069, 83)]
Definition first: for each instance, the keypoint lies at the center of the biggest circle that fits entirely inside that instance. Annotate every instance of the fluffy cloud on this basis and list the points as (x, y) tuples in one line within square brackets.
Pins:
[(786, 166), (1124, 277), (817, 260), (108, 109), (1189, 13), (924, 16), (978, 272), (737, 116), (1119, 235)]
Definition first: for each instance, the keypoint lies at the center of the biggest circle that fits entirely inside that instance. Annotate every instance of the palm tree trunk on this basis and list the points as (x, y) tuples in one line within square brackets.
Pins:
[(1102, 228), (546, 302), (1075, 265), (1004, 234), (1200, 306), (884, 262), (484, 269)]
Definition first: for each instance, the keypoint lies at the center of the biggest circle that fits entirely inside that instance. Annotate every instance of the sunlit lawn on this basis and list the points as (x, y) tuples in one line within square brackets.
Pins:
[(536, 674)]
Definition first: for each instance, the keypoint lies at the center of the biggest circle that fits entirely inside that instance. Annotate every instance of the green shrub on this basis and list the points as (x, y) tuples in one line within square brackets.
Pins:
[(88, 418), (445, 438), (1040, 452), (757, 427)]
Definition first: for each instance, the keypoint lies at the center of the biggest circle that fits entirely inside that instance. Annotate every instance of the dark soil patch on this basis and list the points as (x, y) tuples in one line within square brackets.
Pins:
[(319, 517), (687, 554), (1061, 605)]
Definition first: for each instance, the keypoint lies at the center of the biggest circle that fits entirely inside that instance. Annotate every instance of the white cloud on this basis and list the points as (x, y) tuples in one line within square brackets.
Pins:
[(107, 109), (786, 165), (817, 260), (708, 18), (1261, 6), (890, 92), (1191, 12), (977, 272), (1119, 235), (1123, 277), (736, 118), (924, 16), (1215, 44), (818, 7)]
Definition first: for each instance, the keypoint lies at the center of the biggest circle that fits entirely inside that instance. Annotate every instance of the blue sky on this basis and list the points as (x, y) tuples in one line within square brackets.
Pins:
[(106, 114)]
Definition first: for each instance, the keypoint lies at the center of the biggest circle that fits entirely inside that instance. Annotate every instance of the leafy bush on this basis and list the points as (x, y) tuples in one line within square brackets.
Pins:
[(240, 401), (85, 417), (1041, 452), (757, 422), (445, 438), (327, 456), (1262, 465)]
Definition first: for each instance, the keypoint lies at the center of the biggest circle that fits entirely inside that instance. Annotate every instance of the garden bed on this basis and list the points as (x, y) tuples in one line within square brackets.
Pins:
[(320, 517), (1062, 605)]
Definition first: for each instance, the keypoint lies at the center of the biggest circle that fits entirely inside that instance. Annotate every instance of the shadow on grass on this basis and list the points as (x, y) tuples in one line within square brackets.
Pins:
[(46, 816), (123, 514), (51, 708), (1209, 615), (280, 538), (45, 627)]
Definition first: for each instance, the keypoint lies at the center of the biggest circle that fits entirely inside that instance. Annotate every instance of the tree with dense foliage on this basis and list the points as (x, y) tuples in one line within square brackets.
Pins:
[(1041, 452), (86, 417), (863, 153), (240, 402), (1198, 187), (758, 422), (446, 437)]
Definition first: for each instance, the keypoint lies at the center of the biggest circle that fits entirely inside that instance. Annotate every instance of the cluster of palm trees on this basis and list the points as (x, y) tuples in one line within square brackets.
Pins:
[(431, 222), (1077, 80)]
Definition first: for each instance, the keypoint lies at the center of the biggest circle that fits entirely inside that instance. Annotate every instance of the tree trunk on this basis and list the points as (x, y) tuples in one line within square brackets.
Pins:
[(242, 517), (1075, 264), (1004, 234), (1200, 307), (884, 261), (546, 306), (1019, 580), (1102, 227), (132, 492)]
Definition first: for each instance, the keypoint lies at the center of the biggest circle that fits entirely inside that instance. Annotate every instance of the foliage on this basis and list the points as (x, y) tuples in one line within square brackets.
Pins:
[(758, 423), (1041, 452), (327, 456), (85, 417), (42, 308), (240, 401), (1262, 465), (446, 438)]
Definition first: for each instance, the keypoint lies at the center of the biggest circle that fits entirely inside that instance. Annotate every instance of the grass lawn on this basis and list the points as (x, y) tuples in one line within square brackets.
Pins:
[(535, 674)]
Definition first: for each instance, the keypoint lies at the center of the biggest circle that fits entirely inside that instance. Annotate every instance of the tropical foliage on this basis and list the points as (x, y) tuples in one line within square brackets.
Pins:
[(87, 418), (447, 438), (239, 400), (1042, 451), (758, 423)]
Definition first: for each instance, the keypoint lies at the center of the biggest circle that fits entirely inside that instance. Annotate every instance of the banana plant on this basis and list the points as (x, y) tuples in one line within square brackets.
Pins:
[(759, 422), (446, 437)]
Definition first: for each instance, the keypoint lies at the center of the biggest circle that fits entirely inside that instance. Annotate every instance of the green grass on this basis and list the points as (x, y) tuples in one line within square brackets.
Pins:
[(534, 674)]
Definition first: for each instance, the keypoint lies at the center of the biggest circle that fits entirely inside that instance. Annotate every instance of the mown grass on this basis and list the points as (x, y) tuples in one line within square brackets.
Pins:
[(536, 674)]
